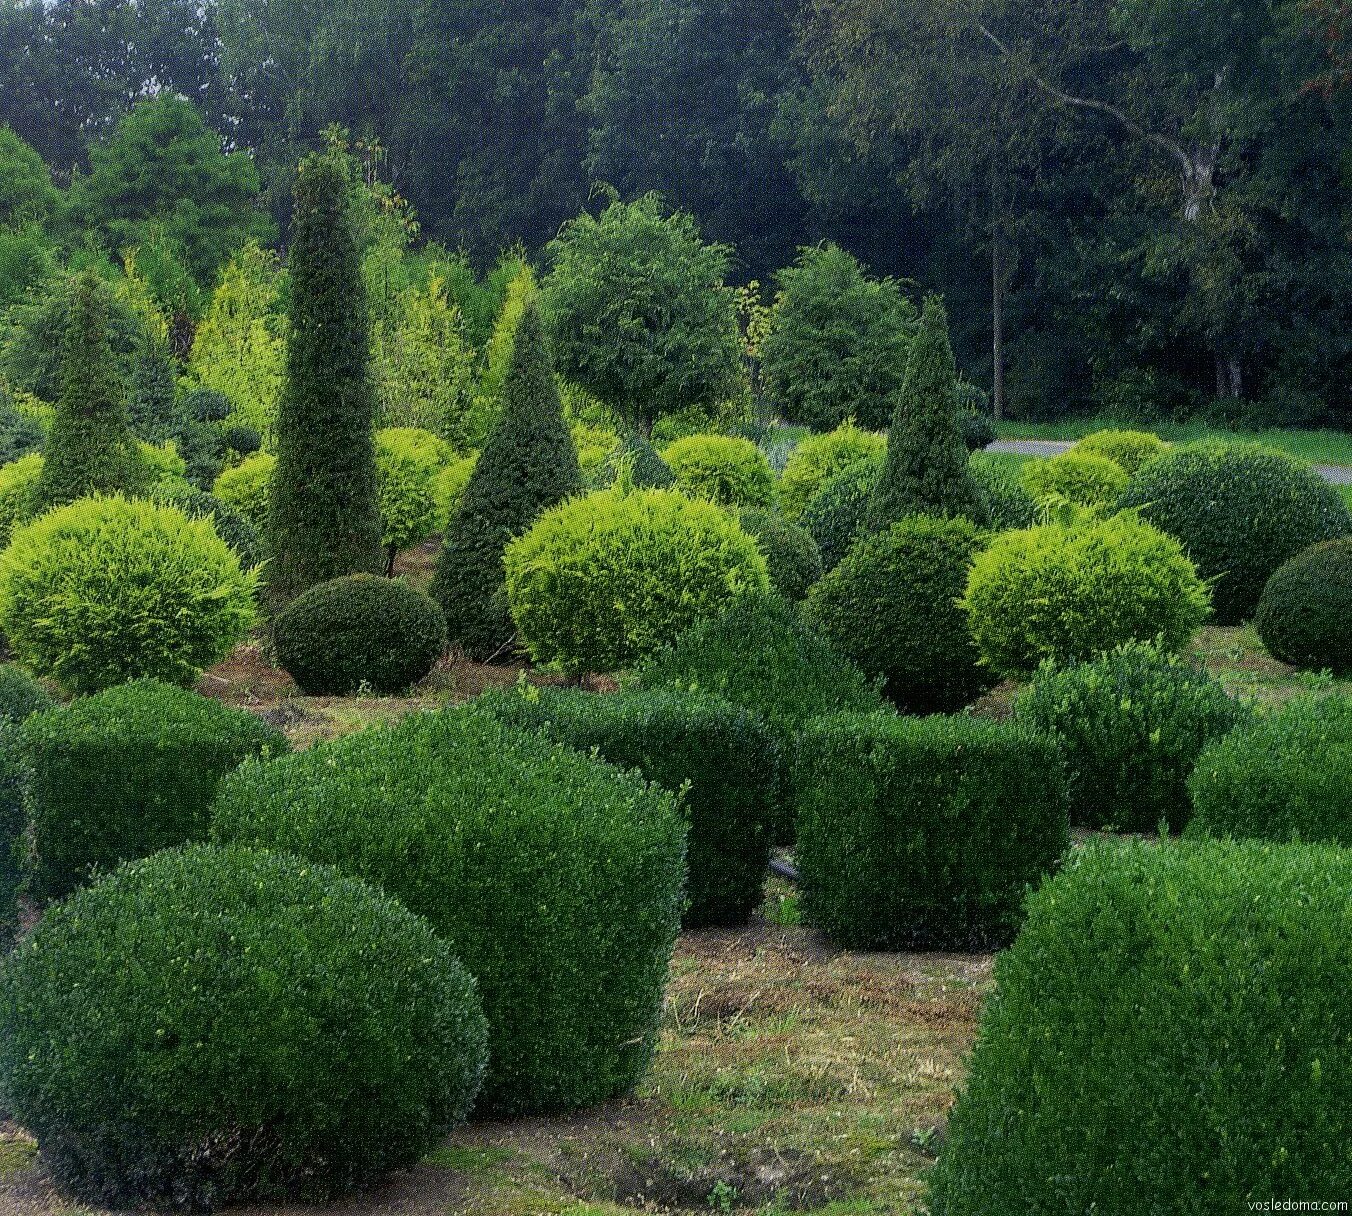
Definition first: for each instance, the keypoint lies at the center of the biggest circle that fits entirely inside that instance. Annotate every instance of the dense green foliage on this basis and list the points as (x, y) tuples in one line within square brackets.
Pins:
[(642, 464), (20, 697), (1081, 478), (555, 879), (834, 516), (111, 589), (892, 608), (727, 470), (923, 833), (408, 460), (1167, 1035), (1131, 725), (282, 1031), (527, 466), (247, 487), (127, 772), (1240, 512), (1305, 612), (791, 555), (724, 757), (17, 481), (231, 524), (818, 458), (324, 519), (358, 632), (19, 434), (1282, 778), (1073, 591), (1130, 449), (604, 580), (1000, 482)]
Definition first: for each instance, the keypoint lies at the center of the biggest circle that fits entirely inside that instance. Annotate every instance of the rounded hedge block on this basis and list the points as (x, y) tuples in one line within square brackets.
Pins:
[(126, 772), (600, 581), (1240, 512), (1305, 613), (1169, 1034), (923, 833), (1130, 449), (722, 468), (1081, 478), (820, 457), (1287, 776), (1064, 592), (892, 608), (356, 633), (791, 555), (217, 1026), (834, 516), (1131, 725), (554, 878)]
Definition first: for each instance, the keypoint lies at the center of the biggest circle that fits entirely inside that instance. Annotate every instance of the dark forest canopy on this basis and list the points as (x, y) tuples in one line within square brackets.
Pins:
[(1144, 206)]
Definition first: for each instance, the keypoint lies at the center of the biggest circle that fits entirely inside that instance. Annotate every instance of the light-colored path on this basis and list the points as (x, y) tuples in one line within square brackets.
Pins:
[(1338, 474)]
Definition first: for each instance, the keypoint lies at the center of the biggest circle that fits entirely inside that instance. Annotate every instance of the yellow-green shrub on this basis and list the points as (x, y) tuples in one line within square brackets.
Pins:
[(448, 487), (408, 460), (248, 488), (819, 458), (727, 470), (17, 480), (1130, 449), (1081, 478)]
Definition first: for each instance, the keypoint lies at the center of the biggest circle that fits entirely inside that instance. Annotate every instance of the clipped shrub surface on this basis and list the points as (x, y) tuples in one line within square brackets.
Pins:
[(834, 516), (21, 696), (231, 525), (1130, 449), (1305, 612), (791, 555), (1082, 478), (722, 468), (924, 833), (1169, 1034), (820, 457), (247, 488), (999, 479), (216, 1026), (554, 878)]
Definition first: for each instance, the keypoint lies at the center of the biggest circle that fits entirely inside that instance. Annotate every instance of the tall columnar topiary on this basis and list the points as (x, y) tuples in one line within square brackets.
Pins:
[(527, 466), (325, 518), (925, 472), (90, 449)]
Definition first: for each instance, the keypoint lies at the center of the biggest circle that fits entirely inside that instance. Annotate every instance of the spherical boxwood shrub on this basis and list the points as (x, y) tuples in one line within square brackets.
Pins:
[(1305, 612), (17, 480), (128, 771), (1131, 725), (356, 632), (834, 516), (1286, 776), (820, 457), (602, 580), (1072, 591), (892, 607), (111, 589), (1081, 478), (722, 468), (556, 879), (924, 832), (725, 757), (1240, 512), (216, 1026), (1000, 481), (791, 555), (21, 696), (1168, 1035), (1130, 449), (641, 463), (248, 488)]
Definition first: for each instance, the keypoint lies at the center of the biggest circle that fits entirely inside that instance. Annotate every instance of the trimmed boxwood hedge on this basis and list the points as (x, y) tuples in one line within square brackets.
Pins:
[(726, 756), (1305, 612), (214, 1026), (923, 833), (1286, 776), (126, 772), (1170, 1033), (555, 878)]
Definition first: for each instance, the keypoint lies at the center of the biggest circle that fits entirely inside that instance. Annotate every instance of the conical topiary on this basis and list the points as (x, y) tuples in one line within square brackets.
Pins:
[(527, 466), (325, 518), (150, 409), (90, 449), (926, 472)]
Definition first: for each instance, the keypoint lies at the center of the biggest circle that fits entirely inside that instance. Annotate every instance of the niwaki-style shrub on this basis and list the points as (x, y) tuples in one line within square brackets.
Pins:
[(358, 632), (834, 516), (820, 457), (924, 833), (21, 696), (247, 487), (791, 555), (1305, 613), (1169, 1034), (892, 608), (1239, 512), (216, 1026), (1130, 449), (555, 879), (1073, 591), (1131, 725), (1082, 478), (722, 468), (128, 771), (602, 580), (725, 758), (1284, 777), (109, 589), (998, 478)]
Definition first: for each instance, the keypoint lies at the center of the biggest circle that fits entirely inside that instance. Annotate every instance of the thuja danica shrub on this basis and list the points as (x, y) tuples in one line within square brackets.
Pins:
[(924, 832), (1130, 449), (727, 470), (1169, 1033), (554, 877), (217, 1026)]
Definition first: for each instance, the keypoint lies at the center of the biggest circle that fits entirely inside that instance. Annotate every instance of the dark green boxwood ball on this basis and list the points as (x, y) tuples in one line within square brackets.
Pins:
[(359, 632), (21, 696), (216, 1026), (834, 516), (242, 439), (1239, 512), (892, 608), (1305, 613), (794, 560)]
